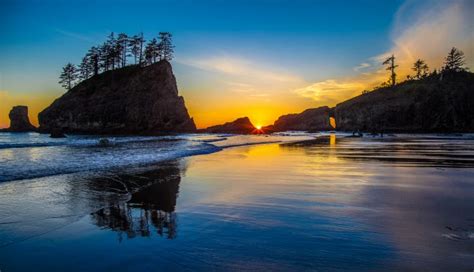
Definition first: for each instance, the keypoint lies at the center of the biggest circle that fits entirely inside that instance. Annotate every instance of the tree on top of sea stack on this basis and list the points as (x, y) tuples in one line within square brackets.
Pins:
[(421, 69), (455, 61), (152, 51), (68, 76), (166, 46), (122, 48), (113, 53), (390, 61), (84, 69), (136, 47)]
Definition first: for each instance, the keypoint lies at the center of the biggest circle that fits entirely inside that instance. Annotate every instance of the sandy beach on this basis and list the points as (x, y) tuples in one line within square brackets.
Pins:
[(333, 203)]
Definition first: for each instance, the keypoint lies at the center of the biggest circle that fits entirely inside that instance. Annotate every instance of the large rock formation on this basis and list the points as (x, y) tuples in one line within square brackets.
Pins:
[(19, 121), (309, 120), (435, 104), (130, 100), (239, 126)]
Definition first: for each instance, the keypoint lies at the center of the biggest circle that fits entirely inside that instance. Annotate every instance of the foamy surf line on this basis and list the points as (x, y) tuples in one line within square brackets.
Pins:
[(85, 142), (85, 155), (118, 163)]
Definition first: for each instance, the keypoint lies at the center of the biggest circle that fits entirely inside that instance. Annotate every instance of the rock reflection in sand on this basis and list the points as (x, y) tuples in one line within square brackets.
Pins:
[(150, 211)]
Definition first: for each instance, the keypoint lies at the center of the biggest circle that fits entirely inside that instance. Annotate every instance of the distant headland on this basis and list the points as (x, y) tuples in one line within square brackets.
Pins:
[(107, 95)]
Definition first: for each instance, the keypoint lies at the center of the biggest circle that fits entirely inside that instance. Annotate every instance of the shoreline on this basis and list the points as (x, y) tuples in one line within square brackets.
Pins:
[(186, 145), (216, 145), (333, 196)]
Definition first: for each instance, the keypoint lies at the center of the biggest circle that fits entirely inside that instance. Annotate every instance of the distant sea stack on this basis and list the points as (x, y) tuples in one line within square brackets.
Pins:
[(239, 126), (19, 121), (309, 120), (129, 100), (438, 103)]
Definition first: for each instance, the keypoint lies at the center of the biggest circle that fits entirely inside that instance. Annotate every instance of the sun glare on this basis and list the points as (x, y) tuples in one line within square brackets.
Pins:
[(258, 127)]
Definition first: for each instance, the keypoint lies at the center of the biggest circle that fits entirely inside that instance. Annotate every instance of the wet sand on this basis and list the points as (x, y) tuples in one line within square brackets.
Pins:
[(330, 204)]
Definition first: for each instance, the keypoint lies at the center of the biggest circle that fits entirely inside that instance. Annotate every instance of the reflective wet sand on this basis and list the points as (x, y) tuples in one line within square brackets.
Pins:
[(333, 203)]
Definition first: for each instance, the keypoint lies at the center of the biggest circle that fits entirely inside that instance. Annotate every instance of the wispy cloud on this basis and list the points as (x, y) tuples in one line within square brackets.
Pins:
[(362, 66), (428, 30), (74, 35), (241, 67), (248, 80), (425, 30), (331, 91)]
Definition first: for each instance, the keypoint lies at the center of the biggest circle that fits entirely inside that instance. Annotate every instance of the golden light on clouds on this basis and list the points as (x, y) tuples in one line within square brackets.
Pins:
[(427, 32), (236, 86), (431, 32), (214, 110), (243, 68), (246, 88), (264, 93), (330, 92)]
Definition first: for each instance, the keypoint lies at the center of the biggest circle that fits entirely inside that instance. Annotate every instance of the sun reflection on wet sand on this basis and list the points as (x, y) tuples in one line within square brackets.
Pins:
[(333, 202)]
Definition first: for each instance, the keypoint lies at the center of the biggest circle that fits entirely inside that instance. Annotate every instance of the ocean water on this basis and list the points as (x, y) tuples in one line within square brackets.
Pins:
[(32, 155), (287, 202)]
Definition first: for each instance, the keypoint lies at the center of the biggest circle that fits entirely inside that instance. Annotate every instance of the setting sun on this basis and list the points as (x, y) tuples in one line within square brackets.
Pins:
[(303, 136)]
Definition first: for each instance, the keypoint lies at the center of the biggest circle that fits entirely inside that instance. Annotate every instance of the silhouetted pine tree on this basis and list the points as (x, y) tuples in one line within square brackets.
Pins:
[(153, 50), (149, 54), (390, 61), (114, 52), (455, 61), (106, 56), (68, 76), (122, 49), (166, 46), (85, 68), (136, 47), (93, 56), (421, 69)]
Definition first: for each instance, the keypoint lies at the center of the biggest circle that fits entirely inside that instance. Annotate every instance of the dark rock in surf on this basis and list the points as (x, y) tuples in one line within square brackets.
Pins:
[(57, 133), (309, 120), (19, 121), (239, 126)]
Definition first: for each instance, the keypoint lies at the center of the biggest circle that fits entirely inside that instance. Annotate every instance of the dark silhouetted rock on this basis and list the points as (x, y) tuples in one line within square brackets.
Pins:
[(19, 121), (130, 100), (433, 104), (239, 126), (104, 142), (309, 120), (57, 133), (268, 129)]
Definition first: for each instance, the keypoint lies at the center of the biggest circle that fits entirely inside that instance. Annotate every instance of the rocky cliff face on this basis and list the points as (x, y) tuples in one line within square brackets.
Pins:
[(309, 120), (239, 126), (19, 121), (434, 104), (130, 100)]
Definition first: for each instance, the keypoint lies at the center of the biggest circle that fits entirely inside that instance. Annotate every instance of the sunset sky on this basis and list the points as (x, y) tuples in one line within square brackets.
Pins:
[(252, 58)]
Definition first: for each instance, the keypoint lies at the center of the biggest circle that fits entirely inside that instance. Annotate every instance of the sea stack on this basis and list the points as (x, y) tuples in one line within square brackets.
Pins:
[(129, 100), (316, 119), (19, 121), (238, 126)]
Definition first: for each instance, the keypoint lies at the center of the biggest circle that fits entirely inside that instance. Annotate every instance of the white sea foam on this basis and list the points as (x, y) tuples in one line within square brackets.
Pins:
[(32, 155)]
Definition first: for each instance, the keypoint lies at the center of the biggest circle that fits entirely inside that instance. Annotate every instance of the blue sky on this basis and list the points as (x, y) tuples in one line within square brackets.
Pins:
[(224, 49)]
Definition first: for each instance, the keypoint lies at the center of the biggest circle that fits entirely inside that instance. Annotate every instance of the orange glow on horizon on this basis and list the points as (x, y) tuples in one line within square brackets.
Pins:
[(208, 109), (35, 103)]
